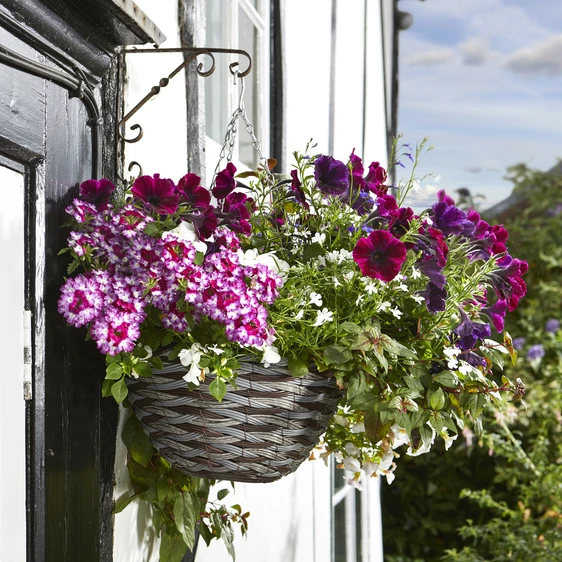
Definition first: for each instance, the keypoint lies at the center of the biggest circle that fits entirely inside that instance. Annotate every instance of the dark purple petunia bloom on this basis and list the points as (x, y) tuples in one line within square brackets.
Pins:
[(297, 190), (507, 280), (332, 176), (157, 192), (442, 197), (205, 221), (535, 352), (375, 178), (225, 182), (380, 255), (97, 192), (191, 191), (552, 326), (236, 206), (434, 298), (470, 332), (363, 203), (433, 271), (356, 169), (496, 313), (474, 359), (451, 220), (401, 223)]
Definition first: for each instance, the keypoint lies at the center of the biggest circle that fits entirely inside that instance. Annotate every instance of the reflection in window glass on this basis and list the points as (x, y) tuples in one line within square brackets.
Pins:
[(248, 41)]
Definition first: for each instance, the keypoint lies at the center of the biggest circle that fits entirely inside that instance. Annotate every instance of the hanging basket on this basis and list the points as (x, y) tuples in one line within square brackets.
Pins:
[(258, 433)]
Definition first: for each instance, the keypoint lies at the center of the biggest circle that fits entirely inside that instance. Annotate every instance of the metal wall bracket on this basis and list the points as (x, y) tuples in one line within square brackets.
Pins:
[(190, 54)]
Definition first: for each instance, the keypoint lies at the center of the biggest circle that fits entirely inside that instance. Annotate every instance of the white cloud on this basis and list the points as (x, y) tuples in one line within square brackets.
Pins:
[(422, 196), (542, 58), (437, 56), (475, 50)]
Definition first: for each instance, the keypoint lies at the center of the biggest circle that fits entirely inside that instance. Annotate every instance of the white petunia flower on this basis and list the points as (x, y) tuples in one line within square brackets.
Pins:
[(270, 355), (448, 439), (323, 316), (190, 358), (351, 449), (340, 420), (358, 428), (315, 299), (252, 257), (351, 464), (185, 232)]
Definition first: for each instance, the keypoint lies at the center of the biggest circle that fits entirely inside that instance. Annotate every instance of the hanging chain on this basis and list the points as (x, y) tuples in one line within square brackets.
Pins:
[(232, 132)]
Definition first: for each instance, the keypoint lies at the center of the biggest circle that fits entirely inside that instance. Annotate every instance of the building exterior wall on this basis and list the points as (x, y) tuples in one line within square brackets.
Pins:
[(290, 519)]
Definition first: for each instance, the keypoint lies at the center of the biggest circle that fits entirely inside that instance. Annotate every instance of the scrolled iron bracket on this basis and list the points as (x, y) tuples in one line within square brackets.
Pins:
[(190, 54)]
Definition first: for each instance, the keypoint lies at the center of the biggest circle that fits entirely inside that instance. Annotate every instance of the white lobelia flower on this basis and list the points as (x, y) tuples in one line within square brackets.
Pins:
[(359, 300), (465, 368), (348, 276), (270, 355), (319, 238), (451, 353), (216, 349), (384, 306), (415, 273), (190, 358), (336, 282), (396, 312), (403, 287), (315, 298), (371, 287), (418, 298), (323, 316), (299, 314), (186, 232)]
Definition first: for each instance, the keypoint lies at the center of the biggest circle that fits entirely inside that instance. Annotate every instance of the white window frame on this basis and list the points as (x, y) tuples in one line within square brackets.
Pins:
[(260, 18)]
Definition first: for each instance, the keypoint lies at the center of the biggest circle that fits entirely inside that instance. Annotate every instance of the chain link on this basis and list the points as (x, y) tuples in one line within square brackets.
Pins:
[(232, 132)]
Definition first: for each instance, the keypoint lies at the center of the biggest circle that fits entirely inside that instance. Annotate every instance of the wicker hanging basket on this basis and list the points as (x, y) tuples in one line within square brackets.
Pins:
[(258, 433)]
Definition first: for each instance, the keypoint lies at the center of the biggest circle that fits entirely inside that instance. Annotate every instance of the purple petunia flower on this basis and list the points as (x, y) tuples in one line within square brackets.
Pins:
[(225, 182), (434, 298), (451, 220), (191, 191), (535, 352), (470, 332), (496, 313), (157, 192), (297, 190), (380, 255), (97, 192), (375, 179), (518, 343), (332, 176), (552, 326)]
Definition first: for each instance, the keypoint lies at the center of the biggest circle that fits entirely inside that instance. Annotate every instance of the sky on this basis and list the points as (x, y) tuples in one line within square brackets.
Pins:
[(482, 79)]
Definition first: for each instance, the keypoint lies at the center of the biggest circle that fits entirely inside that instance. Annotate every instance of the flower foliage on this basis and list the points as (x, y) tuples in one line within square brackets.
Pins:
[(325, 268)]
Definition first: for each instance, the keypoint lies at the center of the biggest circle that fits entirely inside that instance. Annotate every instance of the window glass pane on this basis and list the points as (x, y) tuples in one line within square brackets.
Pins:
[(216, 86), (248, 41), (339, 533)]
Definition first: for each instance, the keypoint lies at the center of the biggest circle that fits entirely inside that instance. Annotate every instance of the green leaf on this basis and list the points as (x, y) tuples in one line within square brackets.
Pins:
[(163, 488), (227, 536), (172, 548), (205, 532), (223, 493), (113, 372), (313, 251), (392, 346), (122, 502), (142, 369), (113, 358), (415, 386), (374, 427), (350, 327), (218, 388), (185, 518), (137, 441), (106, 388), (377, 350), (437, 400), (362, 342), (446, 378), (156, 362), (152, 229), (199, 258), (403, 420), (337, 354), (119, 390), (297, 367)]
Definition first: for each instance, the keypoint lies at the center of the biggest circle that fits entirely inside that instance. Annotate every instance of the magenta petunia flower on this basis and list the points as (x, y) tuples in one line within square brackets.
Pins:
[(225, 182), (375, 178), (297, 190), (157, 192), (191, 191), (380, 255), (97, 192), (332, 176)]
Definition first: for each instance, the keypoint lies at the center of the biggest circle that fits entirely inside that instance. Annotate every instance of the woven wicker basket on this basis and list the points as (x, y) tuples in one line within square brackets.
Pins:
[(258, 433)]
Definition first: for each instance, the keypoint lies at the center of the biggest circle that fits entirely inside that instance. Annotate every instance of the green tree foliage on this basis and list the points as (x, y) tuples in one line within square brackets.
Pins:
[(499, 498)]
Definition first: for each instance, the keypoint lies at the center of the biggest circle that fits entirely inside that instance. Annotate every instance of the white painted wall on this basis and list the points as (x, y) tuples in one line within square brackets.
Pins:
[(12, 406)]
